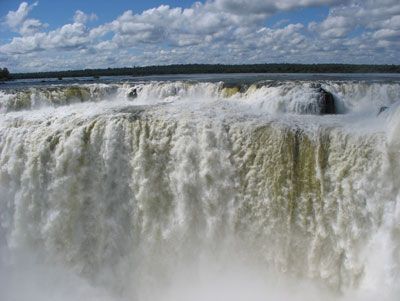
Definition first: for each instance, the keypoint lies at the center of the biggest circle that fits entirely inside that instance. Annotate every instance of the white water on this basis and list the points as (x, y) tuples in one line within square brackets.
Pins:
[(198, 192), (264, 97)]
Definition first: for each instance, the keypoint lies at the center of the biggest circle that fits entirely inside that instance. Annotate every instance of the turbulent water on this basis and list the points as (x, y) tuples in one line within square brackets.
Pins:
[(200, 190)]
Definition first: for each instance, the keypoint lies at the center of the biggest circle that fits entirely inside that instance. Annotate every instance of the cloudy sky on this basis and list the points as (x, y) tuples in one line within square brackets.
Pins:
[(50, 35)]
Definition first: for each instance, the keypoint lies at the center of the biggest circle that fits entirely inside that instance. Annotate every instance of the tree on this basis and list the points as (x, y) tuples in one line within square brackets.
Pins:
[(5, 74)]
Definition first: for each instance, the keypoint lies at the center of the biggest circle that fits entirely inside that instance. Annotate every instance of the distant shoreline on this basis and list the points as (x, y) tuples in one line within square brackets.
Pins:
[(213, 69)]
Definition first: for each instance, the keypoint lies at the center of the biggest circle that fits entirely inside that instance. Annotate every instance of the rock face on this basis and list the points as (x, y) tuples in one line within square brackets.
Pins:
[(382, 109), (326, 102), (132, 94), (321, 102)]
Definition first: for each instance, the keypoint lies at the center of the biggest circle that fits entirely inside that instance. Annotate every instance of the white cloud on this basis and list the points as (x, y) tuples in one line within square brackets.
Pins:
[(386, 34), (333, 27), (269, 7), (81, 17), (18, 20), (219, 31), (392, 23), (75, 36), (70, 36), (174, 25), (15, 18), (379, 16), (30, 26), (146, 28), (281, 22)]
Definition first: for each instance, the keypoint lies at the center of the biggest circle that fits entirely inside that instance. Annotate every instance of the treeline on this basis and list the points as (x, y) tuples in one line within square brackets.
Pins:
[(203, 68), (4, 74)]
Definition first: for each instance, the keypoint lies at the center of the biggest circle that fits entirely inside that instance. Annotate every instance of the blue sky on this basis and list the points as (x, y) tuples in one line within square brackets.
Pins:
[(49, 35), (57, 13)]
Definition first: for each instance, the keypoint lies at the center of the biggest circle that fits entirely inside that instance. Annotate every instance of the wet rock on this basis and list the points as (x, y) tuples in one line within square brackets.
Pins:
[(326, 102), (132, 94), (232, 87), (382, 109), (315, 85)]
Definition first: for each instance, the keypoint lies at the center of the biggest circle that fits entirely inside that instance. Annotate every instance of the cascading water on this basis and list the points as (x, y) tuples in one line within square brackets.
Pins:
[(200, 191)]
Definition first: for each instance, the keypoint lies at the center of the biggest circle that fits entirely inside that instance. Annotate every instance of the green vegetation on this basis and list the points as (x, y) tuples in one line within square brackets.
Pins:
[(202, 68), (4, 74)]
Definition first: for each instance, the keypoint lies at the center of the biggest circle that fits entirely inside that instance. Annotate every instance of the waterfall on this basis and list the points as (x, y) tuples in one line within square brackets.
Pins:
[(199, 191)]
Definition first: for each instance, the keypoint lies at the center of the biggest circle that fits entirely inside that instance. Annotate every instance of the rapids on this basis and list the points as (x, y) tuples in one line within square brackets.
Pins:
[(191, 190)]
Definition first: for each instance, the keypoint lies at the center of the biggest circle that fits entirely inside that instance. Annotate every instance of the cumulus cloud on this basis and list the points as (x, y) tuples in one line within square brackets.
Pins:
[(149, 27), (368, 15), (281, 22), (215, 31), (74, 36), (18, 20), (30, 26), (15, 18), (269, 7), (333, 27), (386, 34), (179, 27), (81, 17)]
